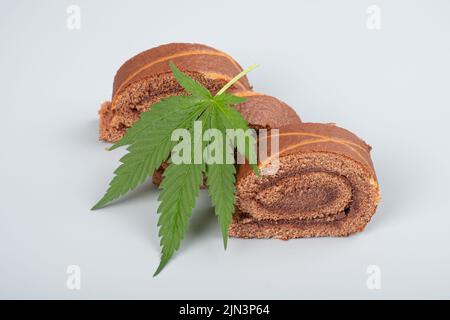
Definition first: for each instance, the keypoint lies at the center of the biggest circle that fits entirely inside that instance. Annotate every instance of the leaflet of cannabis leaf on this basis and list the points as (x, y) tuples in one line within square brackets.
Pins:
[(150, 144)]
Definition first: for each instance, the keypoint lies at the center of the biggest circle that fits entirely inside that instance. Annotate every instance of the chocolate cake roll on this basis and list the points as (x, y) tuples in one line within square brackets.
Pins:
[(146, 79), (325, 186), (261, 112)]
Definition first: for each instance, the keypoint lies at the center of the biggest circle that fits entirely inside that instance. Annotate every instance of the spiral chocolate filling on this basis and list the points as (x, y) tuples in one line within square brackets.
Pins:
[(303, 196), (325, 186)]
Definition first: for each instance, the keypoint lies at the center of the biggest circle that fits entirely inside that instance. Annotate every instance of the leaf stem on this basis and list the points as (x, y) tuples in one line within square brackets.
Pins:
[(237, 78)]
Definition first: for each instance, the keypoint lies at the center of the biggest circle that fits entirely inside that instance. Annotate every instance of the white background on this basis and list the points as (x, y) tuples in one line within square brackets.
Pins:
[(390, 86)]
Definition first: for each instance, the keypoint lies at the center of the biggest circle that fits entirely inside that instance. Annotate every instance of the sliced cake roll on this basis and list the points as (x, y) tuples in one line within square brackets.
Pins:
[(325, 185), (146, 79)]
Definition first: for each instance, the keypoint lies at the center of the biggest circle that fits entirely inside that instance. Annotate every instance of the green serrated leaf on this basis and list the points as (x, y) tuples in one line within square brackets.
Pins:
[(148, 150), (221, 179), (180, 188), (221, 189), (189, 84)]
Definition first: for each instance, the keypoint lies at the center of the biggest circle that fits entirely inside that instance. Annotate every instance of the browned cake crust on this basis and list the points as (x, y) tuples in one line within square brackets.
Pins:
[(325, 186), (265, 112), (146, 79)]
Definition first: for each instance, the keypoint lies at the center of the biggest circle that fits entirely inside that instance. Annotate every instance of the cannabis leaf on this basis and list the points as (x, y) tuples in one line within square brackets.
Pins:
[(150, 143)]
